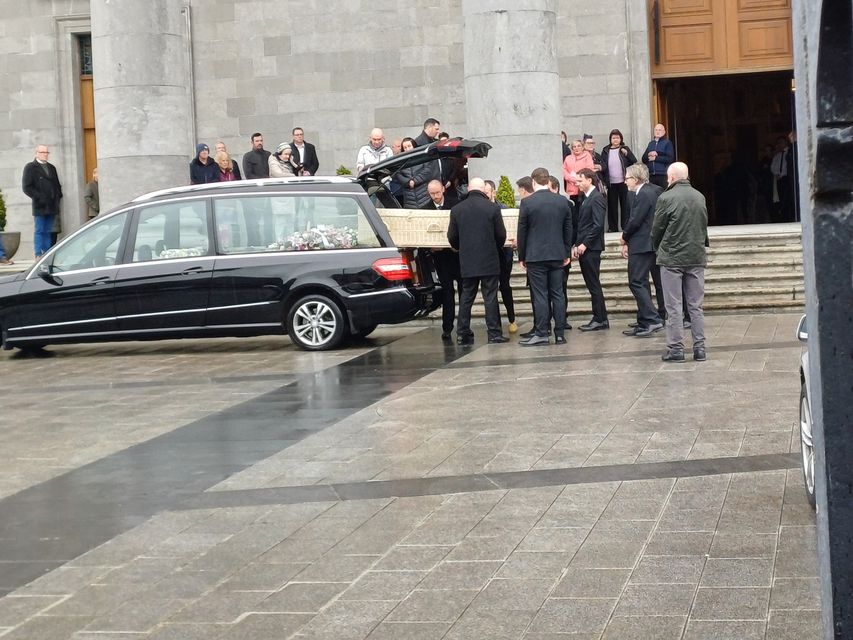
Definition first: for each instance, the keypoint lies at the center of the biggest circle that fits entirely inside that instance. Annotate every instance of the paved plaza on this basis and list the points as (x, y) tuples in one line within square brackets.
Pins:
[(401, 489)]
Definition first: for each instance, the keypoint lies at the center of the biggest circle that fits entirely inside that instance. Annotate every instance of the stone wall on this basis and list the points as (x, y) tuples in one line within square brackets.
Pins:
[(263, 65)]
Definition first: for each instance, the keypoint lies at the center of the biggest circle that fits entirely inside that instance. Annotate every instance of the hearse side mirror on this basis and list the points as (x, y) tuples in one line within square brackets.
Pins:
[(45, 272)]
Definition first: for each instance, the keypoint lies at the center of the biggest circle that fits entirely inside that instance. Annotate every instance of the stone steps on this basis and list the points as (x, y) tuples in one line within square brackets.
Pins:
[(750, 268)]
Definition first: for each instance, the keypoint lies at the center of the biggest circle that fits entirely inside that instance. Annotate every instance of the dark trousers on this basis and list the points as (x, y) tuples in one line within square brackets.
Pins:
[(546, 291), (447, 268), (655, 271), (639, 267), (488, 286), (590, 270), (659, 179), (505, 287), (617, 206)]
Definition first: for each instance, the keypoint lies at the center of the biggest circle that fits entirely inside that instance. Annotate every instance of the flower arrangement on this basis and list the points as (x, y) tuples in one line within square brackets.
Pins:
[(319, 237), (190, 252)]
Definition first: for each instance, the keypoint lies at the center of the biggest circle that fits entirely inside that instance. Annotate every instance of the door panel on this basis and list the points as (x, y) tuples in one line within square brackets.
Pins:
[(166, 284), (720, 36)]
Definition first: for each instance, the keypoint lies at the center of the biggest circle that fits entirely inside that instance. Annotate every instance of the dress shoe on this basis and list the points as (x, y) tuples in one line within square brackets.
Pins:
[(649, 331), (699, 354), (513, 327), (673, 355), (445, 335), (466, 341), (631, 332), (498, 340), (595, 326), (535, 341), (568, 327), (633, 325), (560, 340)]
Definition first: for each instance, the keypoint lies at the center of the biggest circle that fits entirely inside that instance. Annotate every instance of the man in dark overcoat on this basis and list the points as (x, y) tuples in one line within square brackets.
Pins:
[(477, 231)]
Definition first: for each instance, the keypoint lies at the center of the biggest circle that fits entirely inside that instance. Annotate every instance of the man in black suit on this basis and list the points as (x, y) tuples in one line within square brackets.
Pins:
[(544, 248), (432, 128), (590, 244), (446, 262), (636, 244), (477, 231), (304, 153)]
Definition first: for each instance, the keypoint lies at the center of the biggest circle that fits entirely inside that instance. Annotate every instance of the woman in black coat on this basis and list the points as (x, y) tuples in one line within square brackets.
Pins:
[(416, 179), (619, 157)]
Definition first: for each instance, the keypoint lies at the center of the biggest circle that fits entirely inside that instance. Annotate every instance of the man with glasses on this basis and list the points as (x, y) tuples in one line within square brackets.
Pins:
[(40, 183)]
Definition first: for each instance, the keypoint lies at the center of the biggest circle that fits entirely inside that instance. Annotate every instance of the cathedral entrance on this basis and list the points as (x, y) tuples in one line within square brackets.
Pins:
[(727, 128)]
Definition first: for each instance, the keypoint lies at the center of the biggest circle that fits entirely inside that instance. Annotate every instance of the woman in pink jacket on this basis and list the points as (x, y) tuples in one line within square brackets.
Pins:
[(578, 159)]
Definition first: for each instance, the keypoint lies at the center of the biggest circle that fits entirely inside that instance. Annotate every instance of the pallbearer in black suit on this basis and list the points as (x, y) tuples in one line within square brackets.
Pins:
[(477, 231), (446, 262), (544, 248), (590, 244), (637, 246)]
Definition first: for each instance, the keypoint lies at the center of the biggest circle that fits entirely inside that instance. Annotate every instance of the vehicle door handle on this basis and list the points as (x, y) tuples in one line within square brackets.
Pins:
[(191, 270), (101, 280)]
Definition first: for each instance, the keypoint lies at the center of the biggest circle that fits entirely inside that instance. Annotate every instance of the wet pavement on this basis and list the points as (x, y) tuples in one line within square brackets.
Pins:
[(405, 489)]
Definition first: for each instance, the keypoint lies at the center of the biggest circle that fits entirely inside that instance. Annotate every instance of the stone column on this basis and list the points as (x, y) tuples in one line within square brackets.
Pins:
[(512, 85), (142, 97)]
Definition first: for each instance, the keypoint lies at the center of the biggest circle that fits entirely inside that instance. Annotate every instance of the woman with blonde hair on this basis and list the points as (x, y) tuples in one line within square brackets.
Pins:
[(228, 170)]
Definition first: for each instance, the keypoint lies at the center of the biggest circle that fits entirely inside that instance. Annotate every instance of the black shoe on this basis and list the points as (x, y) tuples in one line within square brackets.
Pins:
[(632, 332), (498, 340), (595, 326), (699, 354), (527, 334), (445, 335), (535, 341), (673, 355), (568, 327), (465, 341), (560, 340), (633, 325), (649, 331)]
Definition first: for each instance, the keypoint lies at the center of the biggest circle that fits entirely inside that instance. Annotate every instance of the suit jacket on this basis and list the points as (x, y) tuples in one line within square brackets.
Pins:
[(591, 217), (448, 204), (638, 231), (309, 163), (477, 230), (544, 227), (41, 183)]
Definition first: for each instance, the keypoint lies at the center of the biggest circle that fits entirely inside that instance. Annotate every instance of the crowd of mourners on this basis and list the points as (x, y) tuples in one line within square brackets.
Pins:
[(661, 218)]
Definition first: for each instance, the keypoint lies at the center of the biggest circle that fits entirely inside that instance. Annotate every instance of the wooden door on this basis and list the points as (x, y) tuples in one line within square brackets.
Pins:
[(694, 37), (87, 115)]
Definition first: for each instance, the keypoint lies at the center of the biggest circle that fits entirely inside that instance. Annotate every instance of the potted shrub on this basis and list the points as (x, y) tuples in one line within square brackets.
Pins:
[(506, 194), (11, 239)]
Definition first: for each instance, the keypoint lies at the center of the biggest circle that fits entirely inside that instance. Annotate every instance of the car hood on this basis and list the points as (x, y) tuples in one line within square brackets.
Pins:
[(452, 148), (10, 278)]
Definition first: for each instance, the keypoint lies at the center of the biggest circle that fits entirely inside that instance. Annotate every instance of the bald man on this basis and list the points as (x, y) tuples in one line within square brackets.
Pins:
[(659, 154), (374, 152), (680, 238), (477, 232)]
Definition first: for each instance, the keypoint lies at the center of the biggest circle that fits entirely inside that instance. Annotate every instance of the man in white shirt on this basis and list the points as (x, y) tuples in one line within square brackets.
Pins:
[(372, 153)]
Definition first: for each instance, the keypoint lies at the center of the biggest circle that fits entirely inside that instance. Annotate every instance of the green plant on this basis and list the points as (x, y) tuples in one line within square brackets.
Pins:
[(343, 171), (505, 194), (2, 212)]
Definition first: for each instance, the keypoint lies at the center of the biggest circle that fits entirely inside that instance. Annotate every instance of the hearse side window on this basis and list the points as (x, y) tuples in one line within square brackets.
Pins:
[(95, 246), (172, 230), (291, 223)]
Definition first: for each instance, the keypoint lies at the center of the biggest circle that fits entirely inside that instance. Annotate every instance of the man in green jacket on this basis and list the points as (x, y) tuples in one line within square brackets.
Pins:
[(680, 236)]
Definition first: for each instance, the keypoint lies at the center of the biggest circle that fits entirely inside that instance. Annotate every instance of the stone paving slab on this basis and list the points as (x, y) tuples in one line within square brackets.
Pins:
[(730, 554)]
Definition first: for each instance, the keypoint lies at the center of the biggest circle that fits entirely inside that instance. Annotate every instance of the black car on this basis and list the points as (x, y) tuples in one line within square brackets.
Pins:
[(309, 257)]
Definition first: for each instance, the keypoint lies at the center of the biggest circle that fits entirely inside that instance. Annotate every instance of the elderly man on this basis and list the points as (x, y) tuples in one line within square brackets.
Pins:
[(658, 155), (374, 152), (680, 236), (477, 231), (636, 244), (40, 183)]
